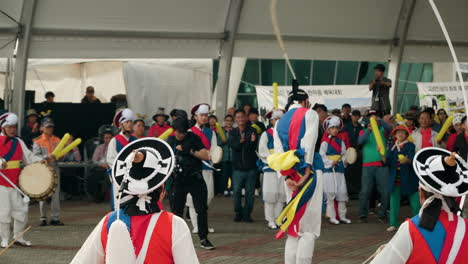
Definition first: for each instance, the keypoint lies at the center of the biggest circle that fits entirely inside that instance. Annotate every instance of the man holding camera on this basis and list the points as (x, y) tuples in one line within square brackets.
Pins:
[(188, 179), (380, 87)]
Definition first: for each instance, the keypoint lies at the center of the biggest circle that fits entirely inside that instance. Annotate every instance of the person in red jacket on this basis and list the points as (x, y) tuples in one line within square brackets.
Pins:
[(437, 234), (160, 125), (139, 230), (459, 129)]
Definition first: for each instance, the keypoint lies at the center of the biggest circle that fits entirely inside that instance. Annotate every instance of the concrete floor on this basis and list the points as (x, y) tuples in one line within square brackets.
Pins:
[(236, 242)]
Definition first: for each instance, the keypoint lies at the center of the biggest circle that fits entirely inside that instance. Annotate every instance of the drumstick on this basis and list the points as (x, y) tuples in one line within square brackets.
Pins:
[(61, 144), (25, 197), (67, 149), (14, 240)]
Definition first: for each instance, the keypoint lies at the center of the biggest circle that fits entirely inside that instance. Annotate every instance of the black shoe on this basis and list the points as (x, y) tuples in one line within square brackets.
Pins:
[(56, 223), (206, 244), (248, 219), (43, 223), (237, 218), (362, 219)]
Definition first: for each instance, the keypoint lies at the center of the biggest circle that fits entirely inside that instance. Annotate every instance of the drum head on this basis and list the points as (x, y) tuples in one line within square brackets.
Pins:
[(216, 154), (351, 155), (37, 180)]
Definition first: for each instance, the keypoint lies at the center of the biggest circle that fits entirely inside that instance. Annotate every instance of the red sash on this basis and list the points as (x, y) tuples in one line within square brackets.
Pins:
[(333, 144), (206, 142), (270, 131), (295, 127), (121, 139), (17, 155)]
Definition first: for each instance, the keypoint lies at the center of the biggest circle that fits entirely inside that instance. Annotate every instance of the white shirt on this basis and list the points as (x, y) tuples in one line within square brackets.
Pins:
[(183, 250), (112, 150)]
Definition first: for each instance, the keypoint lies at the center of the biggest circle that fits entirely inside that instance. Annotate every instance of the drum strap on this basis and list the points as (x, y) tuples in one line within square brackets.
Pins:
[(11, 152)]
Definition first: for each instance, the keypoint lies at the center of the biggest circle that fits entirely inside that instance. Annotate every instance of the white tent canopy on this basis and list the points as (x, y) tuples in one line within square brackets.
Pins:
[(313, 29)]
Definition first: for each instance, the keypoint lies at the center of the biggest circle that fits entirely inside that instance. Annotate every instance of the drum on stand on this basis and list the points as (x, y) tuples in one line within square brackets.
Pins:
[(216, 154), (38, 181)]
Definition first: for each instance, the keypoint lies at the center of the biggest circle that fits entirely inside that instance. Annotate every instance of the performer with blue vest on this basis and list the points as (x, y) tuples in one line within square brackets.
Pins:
[(437, 234), (140, 231), (332, 151), (295, 135), (273, 192), (124, 121), (13, 152), (208, 137)]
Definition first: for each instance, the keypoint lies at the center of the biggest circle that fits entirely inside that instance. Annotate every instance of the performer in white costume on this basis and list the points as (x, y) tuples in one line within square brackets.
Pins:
[(273, 191), (140, 231)]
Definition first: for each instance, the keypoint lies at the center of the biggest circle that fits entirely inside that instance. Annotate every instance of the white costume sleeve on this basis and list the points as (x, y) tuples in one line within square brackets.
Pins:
[(398, 250), (277, 141), (310, 136), (111, 152), (183, 250), (91, 251), (263, 151), (28, 156), (327, 163)]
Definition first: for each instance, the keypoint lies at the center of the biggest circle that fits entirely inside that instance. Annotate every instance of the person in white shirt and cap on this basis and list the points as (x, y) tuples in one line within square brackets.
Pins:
[(139, 230), (12, 205), (437, 234), (273, 192), (123, 119), (208, 137)]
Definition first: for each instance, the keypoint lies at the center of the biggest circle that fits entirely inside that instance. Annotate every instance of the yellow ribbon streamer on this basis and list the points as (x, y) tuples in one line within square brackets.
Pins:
[(220, 131), (166, 133)]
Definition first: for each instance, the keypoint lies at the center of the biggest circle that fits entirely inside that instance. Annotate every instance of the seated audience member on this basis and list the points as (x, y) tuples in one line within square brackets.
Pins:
[(459, 129), (30, 130), (424, 136), (50, 98), (402, 179), (74, 155), (254, 122), (346, 113), (139, 128), (212, 119), (160, 125), (98, 181), (89, 98)]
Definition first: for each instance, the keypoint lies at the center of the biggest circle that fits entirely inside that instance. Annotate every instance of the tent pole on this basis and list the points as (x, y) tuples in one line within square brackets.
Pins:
[(226, 52), (21, 61), (397, 49)]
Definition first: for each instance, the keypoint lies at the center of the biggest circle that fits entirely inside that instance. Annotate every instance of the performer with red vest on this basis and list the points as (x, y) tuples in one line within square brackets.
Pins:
[(295, 135), (437, 234), (208, 137), (124, 121), (13, 151), (140, 231), (160, 126), (273, 193)]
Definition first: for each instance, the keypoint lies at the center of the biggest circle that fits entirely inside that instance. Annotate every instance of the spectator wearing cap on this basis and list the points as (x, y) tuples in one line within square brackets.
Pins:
[(380, 87), (425, 136), (160, 126), (98, 181), (89, 97), (346, 113), (458, 129), (254, 122), (374, 172), (43, 146), (32, 128), (139, 128)]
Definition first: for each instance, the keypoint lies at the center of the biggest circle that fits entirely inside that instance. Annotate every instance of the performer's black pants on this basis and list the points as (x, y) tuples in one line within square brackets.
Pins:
[(197, 188)]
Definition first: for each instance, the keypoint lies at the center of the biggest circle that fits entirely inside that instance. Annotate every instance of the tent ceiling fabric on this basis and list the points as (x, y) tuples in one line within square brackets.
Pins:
[(318, 29)]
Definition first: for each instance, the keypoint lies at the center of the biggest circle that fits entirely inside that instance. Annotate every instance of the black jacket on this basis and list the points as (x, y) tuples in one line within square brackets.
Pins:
[(244, 156), (461, 146)]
